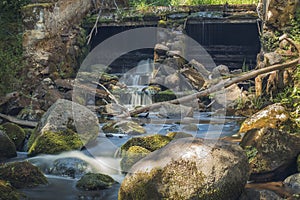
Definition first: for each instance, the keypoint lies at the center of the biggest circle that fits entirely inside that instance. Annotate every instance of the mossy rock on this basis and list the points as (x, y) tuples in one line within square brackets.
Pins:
[(125, 127), (22, 174), (55, 142), (188, 169), (178, 135), (133, 155), (8, 192), (7, 147), (15, 133), (95, 181), (151, 143), (166, 95), (110, 128)]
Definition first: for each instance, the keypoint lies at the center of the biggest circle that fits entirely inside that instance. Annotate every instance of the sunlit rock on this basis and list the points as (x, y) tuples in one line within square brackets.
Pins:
[(65, 126), (271, 116), (270, 152), (188, 169)]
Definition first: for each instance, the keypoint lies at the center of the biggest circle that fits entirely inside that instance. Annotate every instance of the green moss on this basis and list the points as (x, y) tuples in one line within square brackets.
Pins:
[(133, 155), (8, 192), (34, 5), (164, 96), (55, 142), (142, 187), (110, 128), (7, 147), (91, 181), (151, 143), (15, 133), (178, 135), (251, 152), (22, 174)]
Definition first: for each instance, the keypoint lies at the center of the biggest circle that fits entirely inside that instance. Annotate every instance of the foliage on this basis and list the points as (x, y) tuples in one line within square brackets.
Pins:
[(290, 97), (10, 45), (141, 4), (295, 28)]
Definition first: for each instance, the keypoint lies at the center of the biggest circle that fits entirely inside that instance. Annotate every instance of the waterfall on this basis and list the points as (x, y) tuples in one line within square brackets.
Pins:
[(137, 80)]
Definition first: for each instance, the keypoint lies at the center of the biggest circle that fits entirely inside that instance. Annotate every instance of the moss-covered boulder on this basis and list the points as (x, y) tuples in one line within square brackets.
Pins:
[(55, 142), (270, 152), (151, 142), (271, 116), (15, 133), (22, 174), (8, 192), (95, 181), (178, 135), (65, 126), (7, 147), (125, 127), (131, 156), (188, 169)]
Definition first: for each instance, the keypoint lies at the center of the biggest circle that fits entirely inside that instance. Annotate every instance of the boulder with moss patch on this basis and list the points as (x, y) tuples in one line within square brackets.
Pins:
[(270, 152), (271, 116), (15, 133), (8, 192), (22, 174), (151, 142), (188, 169), (65, 126), (95, 181), (7, 147), (131, 156), (178, 135), (125, 127), (55, 142)]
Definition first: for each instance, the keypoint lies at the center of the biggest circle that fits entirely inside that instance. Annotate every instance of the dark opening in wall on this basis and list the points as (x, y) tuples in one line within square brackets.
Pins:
[(231, 44), (129, 59)]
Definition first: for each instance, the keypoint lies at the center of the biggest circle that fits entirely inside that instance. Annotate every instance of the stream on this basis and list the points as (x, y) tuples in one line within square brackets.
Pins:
[(102, 158)]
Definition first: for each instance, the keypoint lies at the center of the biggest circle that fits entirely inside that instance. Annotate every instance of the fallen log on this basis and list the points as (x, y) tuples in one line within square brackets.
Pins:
[(19, 121), (214, 88)]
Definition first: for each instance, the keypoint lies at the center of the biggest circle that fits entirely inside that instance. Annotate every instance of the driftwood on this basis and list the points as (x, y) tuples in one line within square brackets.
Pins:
[(19, 121), (214, 88)]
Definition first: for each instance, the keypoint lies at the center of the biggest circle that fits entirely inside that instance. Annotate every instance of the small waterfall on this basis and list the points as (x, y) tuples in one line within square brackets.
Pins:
[(136, 80)]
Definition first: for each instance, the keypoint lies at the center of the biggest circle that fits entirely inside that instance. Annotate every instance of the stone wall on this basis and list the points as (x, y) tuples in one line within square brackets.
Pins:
[(53, 40), (278, 13)]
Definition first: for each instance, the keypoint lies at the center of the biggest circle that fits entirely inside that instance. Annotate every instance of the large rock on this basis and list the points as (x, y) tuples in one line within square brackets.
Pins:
[(92, 181), (270, 152), (298, 163), (229, 96), (151, 142), (279, 13), (124, 127), (293, 182), (7, 147), (131, 156), (22, 174), (15, 133), (188, 169), (271, 116), (65, 126), (169, 110), (8, 192)]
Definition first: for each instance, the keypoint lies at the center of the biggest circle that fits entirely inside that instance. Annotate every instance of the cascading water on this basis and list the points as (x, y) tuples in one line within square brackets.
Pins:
[(136, 80)]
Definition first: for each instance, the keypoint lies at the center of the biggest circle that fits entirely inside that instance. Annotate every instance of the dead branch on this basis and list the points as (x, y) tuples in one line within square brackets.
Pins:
[(214, 88), (94, 29), (19, 121)]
